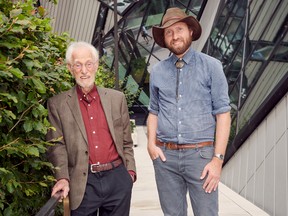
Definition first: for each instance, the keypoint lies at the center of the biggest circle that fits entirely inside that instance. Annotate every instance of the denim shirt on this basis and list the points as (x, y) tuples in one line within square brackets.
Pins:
[(202, 94)]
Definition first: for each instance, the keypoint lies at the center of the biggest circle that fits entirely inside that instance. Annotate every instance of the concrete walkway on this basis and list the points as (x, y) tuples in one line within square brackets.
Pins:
[(145, 200)]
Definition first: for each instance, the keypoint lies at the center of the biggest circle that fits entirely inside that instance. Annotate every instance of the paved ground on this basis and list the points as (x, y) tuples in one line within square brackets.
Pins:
[(145, 200)]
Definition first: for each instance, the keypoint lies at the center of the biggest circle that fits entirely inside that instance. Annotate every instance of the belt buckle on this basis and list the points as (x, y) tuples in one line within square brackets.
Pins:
[(91, 168), (170, 146)]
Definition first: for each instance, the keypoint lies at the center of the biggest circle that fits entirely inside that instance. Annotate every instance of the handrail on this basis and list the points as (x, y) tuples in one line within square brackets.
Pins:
[(49, 208)]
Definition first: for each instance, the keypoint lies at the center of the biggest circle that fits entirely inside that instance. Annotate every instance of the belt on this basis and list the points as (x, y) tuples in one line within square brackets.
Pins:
[(174, 146), (105, 167)]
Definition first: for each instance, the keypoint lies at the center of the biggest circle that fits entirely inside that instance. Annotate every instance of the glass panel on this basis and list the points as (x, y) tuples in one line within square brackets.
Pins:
[(195, 6), (131, 85), (121, 4), (108, 50), (183, 2), (137, 68), (234, 70), (134, 20), (251, 70), (144, 98), (262, 52), (125, 47), (233, 128), (234, 96), (122, 71), (281, 54)]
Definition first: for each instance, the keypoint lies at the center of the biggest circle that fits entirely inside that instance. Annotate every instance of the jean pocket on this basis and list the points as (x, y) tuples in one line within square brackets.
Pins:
[(207, 152)]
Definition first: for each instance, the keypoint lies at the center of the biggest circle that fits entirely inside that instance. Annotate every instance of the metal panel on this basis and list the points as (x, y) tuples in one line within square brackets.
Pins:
[(281, 171), (269, 184), (266, 153), (78, 18), (276, 22), (264, 20), (264, 86)]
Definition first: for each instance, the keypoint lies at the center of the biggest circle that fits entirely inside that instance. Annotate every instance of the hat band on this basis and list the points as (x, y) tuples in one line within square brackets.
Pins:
[(172, 18)]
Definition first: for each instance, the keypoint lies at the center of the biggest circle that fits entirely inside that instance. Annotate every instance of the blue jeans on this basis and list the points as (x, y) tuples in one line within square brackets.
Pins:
[(181, 173)]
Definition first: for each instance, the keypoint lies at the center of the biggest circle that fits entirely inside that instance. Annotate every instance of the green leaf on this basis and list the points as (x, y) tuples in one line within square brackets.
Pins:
[(15, 13), (31, 150), (28, 126), (4, 171), (29, 192), (23, 22), (9, 97), (38, 126), (5, 74), (10, 187), (43, 184), (9, 114), (17, 29), (9, 45), (17, 72), (40, 86), (29, 63)]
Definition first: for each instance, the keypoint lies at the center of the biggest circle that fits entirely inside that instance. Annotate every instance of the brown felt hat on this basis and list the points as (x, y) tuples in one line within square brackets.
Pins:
[(172, 16)]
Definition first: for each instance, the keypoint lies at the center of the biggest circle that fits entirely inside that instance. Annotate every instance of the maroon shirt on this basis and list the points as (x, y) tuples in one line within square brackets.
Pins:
[(101, 145)]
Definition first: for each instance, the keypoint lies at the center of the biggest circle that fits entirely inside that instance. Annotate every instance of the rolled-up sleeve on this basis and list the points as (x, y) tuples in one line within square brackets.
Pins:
[(153, 103), (219, 90)]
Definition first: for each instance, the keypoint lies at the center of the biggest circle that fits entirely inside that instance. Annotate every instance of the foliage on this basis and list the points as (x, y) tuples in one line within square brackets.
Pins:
[(138, 66), (105, 77), (31, 70)]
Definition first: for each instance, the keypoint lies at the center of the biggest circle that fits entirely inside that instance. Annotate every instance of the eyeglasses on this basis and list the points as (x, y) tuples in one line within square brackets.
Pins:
[(79, 66)]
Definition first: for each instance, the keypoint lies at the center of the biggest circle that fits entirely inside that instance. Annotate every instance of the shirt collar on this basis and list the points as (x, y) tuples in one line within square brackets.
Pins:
[(186, 58), (92, 95)]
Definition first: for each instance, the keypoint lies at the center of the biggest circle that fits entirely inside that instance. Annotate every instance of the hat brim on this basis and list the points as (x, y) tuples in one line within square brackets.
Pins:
[(158, 32)]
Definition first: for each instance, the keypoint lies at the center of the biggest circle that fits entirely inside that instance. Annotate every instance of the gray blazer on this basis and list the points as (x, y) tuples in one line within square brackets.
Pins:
[(70, 153)]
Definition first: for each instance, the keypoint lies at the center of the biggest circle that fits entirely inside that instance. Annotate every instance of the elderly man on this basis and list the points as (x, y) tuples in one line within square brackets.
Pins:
[(93, 150)]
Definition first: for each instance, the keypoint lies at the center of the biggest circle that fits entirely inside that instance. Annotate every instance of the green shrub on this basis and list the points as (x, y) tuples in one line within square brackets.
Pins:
[(31, 70)]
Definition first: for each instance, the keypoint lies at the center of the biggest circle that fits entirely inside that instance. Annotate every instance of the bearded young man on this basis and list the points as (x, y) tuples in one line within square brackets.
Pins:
[(189, 119)]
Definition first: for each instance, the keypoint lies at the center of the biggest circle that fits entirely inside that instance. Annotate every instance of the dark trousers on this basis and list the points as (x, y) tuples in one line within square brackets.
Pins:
[(107, 193)]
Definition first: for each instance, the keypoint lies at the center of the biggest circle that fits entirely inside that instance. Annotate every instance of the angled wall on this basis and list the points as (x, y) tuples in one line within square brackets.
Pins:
[(259, 169)]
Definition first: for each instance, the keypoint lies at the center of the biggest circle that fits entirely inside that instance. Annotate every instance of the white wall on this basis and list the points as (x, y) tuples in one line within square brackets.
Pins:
[(259, 169)]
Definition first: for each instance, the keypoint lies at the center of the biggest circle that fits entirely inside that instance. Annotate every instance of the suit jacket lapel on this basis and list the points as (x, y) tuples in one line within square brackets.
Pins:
[(106, 104), (73, 104)]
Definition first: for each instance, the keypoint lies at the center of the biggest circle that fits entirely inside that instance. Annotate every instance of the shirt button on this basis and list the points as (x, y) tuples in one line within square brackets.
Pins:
[(179, 135), (88, 104), (96, 146), (180, 95), (180, 122), (93, 132), (91, 117), (180, 83), (180, 108)]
